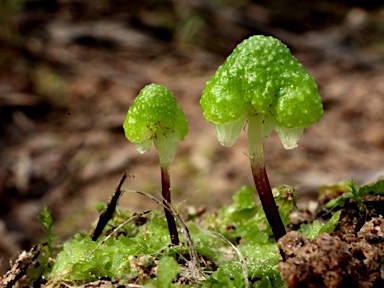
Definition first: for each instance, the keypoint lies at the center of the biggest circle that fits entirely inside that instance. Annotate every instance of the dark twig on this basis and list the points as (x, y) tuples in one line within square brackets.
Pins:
[(109, 210), (20, 267)]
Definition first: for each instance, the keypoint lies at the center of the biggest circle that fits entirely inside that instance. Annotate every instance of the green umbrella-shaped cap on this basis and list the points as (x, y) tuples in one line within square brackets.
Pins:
[(155, 116), (262, 77)]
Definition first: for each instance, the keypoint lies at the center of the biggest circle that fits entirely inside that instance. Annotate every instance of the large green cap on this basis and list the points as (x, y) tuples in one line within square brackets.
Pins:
[(262, 76), (155, 114)]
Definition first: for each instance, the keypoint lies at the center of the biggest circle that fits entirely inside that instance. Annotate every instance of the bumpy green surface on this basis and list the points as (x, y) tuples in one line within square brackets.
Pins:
[(167, 270), (262, 76), (155, 113), (135, 250), (316, 228)]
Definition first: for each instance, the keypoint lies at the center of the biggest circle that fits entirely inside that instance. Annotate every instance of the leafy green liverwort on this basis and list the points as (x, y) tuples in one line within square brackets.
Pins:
[(261, 83), (356, 193), (155, 116)]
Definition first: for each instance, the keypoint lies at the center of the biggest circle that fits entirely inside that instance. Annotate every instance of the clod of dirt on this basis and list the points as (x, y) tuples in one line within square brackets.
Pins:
[(368, 252), (324, 262), (328, 261)]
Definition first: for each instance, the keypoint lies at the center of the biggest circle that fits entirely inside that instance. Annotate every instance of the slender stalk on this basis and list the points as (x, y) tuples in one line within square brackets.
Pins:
[(256, 155), (166, 193)]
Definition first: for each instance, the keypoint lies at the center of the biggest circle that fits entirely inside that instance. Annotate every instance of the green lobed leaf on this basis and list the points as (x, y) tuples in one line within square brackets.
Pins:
[(261, 261), (206, 243), (316, 228), (76, 261), (74, 252), (351, 191), (376, 188), (244, 220), (167, 270)]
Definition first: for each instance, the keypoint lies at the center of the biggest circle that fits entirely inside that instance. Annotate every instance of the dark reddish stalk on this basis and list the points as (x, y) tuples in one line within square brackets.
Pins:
[(256, 155), (267, 201), (166, 193)]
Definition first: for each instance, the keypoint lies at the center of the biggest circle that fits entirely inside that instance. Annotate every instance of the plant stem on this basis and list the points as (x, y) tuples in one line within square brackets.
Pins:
[(166, 193), (256, 155)]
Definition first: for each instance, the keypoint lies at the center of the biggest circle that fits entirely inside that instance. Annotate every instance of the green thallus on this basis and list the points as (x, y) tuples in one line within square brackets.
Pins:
[(261, 84), (155, 116)]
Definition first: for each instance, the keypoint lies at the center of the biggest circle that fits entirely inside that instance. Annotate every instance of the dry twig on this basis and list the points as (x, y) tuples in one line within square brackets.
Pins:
[(109, 210)]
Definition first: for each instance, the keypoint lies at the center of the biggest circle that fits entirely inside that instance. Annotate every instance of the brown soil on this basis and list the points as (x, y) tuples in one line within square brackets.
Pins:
[(70, 70), (352, 256)]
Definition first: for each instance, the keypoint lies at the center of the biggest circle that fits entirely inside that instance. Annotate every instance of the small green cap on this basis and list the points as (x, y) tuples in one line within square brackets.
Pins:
[(155, 116)]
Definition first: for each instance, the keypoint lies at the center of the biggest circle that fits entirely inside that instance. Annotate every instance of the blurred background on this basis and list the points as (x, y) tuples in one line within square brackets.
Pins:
[(70, 69)]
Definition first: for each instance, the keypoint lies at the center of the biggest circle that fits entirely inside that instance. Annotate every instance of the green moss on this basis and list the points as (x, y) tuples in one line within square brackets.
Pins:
[(244, 220), (167, 270), (142, 249)]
